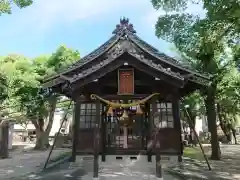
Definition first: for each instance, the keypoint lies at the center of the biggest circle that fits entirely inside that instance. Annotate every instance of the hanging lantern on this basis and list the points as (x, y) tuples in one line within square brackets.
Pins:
[(110, 111), (139, 110)]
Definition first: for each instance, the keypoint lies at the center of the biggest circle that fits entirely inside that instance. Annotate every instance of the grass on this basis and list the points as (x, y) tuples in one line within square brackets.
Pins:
[(195, 152)]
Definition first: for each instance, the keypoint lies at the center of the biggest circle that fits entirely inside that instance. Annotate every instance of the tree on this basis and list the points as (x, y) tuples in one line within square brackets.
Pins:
[(193, 104), (219, 12), (25, 83), (3, 88), (200, 40), (46, 103), (6, 5), (228, 102)]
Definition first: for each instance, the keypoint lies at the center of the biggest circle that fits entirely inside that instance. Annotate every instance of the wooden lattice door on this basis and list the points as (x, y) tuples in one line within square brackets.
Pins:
[(88, 125), (122, 139)]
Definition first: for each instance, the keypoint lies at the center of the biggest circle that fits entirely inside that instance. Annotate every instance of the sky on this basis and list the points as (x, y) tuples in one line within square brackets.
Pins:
[(79, 24)]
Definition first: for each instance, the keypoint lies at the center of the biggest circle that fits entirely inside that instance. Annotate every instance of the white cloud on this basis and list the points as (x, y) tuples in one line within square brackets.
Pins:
[(151, 17)]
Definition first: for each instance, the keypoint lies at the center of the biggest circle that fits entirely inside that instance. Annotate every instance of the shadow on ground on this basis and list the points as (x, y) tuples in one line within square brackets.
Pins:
[(194, 169), (83, 170)]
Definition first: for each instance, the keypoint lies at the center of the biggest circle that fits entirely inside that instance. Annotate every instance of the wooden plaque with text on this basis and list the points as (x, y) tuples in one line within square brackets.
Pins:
[(125, 81)]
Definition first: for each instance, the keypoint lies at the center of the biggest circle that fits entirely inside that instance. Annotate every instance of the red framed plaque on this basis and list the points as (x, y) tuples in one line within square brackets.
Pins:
[(125, 81)]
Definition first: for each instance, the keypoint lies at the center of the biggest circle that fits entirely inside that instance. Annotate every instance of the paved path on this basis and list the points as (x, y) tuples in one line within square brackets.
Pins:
[(21, 163), (82, 169), (20, 166)]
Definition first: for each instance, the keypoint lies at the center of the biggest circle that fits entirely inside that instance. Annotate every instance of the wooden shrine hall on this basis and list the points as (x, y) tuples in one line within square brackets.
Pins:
[(126, 96)]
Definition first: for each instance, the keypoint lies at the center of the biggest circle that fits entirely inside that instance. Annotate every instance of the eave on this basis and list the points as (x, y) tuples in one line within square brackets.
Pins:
[(163, 57), (126, 32), (138, 62), (88, 58)]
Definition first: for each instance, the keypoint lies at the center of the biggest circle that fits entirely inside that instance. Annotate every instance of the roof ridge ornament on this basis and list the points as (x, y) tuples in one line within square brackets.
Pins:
[(124, 27)]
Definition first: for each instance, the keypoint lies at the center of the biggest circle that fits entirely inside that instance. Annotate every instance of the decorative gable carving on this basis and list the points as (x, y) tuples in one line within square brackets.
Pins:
[(124, 27)]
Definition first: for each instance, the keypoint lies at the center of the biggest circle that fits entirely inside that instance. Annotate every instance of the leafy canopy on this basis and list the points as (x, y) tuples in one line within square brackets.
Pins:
[(6, 5), (24, 77)]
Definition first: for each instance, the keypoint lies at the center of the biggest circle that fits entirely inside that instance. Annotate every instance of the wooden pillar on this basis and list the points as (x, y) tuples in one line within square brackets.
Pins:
[(177, 124), (158, 165), (103, 134), (157, 148), (96, 141), (143, 131), (76, 126), (149, 131), (125, 137), (151, 125)]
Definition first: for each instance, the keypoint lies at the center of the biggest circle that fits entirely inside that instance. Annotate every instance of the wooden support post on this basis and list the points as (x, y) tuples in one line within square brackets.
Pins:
[(158, 165), (103, 134), (150, 129), (95, 166), (196, 135), (177, 124), (125, 137), (96, 141), (76, 126), (152, 110), (143, 131)]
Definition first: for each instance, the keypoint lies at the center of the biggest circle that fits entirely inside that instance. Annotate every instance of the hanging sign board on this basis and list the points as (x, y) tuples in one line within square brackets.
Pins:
[(125, 81)]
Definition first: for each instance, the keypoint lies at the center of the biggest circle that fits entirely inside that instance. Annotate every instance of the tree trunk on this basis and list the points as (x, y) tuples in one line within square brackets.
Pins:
[(42, 134), (41, 140), (234, 135), (4, 132), (192, 125), (223, 124), (212, 122)]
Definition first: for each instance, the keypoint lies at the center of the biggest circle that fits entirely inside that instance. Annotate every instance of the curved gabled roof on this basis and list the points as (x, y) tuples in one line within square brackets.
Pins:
[(97, 52), (121, 31), (163, 57), (89, 57)]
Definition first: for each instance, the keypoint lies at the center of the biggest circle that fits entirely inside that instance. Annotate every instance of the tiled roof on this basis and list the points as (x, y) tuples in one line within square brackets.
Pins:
[(123, 30)]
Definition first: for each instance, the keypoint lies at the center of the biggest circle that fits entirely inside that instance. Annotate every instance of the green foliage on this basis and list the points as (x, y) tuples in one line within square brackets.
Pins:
[(195, 103), (236, 55), (6, 5), (59, 60), (229, 92), (217, 11), (3, 88), (170, 5), (205, 43), (24, 78), (222, 21)]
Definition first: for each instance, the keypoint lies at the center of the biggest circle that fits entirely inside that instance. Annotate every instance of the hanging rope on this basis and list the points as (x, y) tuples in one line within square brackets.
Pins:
[(122, 105)]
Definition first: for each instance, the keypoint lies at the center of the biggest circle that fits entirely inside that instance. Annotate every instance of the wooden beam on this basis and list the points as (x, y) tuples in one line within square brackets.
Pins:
[(122, 97), (134, 63), (113, 83), (75, 136), (96, 141), (177, 123), (158, 165), (103, 135)]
